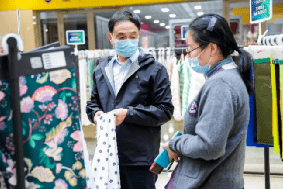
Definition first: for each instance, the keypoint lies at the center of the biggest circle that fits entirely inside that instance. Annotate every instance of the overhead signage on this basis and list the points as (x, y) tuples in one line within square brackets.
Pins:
[(260, 10), (184, 29), (75, 37)]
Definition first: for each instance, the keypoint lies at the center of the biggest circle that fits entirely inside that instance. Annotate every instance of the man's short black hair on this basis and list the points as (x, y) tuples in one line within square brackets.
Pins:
[(121, 16)]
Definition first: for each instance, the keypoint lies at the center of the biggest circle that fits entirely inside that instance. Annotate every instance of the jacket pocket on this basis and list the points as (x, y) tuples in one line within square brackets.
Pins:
[(189, 167)]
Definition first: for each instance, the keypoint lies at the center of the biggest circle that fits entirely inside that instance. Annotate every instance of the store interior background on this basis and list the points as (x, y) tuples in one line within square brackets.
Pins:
[(161, 24)]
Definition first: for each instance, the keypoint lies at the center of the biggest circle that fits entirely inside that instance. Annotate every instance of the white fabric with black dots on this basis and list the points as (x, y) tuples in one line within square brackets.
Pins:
[(105, 163)]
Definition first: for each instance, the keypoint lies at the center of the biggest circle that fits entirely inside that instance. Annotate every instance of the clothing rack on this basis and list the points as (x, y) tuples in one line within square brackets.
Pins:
[(17, 125), (266, 149), (266, 168)]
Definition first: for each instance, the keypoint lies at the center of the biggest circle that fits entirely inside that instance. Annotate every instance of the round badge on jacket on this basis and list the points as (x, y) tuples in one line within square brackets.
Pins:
[(193, 108)]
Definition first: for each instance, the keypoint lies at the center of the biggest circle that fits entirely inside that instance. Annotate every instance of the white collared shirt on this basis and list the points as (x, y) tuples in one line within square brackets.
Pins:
[(120, 71)]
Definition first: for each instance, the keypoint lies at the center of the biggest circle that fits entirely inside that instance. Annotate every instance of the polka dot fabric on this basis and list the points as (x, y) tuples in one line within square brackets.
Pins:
[(105, 163)]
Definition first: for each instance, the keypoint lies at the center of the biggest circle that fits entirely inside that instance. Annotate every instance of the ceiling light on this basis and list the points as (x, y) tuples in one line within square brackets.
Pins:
[(147, 17), (198, 7), (162, 24), (172, 15), (200, 13), (46, 30), (156, 21), (34, 23), (137, 11), (34, 17), (165, 10), (167, 27)]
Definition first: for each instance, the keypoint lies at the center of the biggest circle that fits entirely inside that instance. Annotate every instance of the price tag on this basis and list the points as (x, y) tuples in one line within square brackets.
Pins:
[(54, 60)]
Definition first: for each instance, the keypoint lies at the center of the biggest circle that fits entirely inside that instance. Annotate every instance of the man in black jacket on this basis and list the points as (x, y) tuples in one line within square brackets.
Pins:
[(137, 89)]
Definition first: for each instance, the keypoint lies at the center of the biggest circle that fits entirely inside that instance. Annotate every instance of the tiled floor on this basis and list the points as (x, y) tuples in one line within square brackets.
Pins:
[(254, 163), (251, 181)]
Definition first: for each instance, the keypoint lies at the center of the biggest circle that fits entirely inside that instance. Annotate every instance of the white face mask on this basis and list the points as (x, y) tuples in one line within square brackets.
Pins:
[(126, 48)]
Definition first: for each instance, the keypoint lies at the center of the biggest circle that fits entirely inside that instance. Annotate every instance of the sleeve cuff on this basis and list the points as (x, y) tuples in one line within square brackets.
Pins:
[(171, 145), (129, 113)]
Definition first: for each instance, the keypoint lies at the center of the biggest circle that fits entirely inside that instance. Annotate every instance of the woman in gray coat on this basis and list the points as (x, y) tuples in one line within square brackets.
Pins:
[(212, 148)]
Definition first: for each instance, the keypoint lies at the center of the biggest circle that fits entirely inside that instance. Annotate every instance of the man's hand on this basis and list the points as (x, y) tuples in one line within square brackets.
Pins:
[(120, 115), (172, 155), (97, 114)]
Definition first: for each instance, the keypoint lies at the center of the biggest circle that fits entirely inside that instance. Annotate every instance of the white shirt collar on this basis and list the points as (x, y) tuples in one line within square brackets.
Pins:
[(132, 59)]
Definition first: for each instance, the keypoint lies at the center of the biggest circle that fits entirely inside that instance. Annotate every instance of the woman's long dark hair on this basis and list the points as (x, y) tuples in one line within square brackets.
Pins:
[(212, 28)]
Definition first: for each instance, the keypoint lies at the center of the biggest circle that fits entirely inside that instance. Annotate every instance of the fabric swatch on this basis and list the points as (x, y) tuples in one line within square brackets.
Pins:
[(105, 163)]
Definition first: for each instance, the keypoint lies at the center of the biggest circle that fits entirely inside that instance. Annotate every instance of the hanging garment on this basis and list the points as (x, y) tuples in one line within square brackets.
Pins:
[(105, 163), (197, 81), (274, 108), (181, 77), (278, 99), (281, 107), (263, 94), (186, 89), (90, 69), (163, 56), (278, 60), (168, 60), (154, 53), (251, 138), (83, 87), (185, 83), (159, 56), (175, 90)]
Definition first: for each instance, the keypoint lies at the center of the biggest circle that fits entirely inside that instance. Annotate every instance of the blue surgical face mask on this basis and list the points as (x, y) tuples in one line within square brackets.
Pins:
[(194, 63), (126, 48)]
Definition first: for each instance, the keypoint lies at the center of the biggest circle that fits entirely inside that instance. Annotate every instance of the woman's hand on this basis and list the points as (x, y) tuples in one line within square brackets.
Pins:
[(172, 155)]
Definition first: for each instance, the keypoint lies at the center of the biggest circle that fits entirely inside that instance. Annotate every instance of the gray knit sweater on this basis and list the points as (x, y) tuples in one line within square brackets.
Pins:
[(214, 139)]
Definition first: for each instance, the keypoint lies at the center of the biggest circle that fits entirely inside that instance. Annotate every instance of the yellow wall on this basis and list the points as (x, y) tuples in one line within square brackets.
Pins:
[(73, 4), (8, 24)]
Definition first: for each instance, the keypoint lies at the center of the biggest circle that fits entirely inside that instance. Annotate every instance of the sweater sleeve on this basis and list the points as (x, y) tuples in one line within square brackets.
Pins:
[(216, 117), (175, 90)]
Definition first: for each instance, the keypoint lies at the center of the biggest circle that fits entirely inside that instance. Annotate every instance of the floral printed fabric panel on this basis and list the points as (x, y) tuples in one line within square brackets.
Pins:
[(7, 153), (53, 146), (105, 161)]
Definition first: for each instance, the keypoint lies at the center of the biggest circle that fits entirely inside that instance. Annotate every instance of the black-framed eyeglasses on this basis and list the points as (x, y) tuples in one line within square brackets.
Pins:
[(189, 51)]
